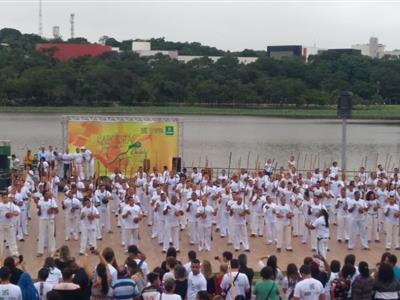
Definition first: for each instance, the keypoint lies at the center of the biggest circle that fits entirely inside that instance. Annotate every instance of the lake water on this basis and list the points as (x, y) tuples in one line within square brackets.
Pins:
[(214, 137)]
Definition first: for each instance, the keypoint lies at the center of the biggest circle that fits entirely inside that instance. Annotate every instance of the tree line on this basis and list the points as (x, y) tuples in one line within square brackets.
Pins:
[(28, 77)]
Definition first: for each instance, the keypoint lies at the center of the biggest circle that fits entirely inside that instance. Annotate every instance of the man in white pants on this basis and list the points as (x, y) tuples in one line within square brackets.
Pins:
[(342, 217), (102, 199), (270, 220), (8, 212), (88, 157), (22, 200), (131, 215), (78, 160), (284, 214), (89, 214), (141, 186), (47, 209), (204, 216), (172, 212), (357, 209), (392, 214), (72, 207), (257, 217), (239, 211), (191, 210)]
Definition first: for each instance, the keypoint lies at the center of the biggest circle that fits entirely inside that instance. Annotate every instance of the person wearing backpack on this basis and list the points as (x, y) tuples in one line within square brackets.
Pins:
[(267, 289)]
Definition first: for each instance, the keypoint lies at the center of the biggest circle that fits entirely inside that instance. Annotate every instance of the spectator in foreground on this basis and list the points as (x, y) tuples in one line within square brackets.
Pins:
[(67, 289), (362, 286), (124, 288), (41, 286), (308, 288), (7, 288), (169, 286), (386, 286), (267, 289), (27, 288), (181, 282)]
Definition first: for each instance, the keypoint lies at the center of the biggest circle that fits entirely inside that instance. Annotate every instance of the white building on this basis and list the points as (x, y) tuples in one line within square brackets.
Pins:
[(372, 49), (143, 48)]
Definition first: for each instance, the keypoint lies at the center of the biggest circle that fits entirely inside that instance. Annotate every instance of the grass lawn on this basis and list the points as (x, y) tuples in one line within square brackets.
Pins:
[(379, 112)]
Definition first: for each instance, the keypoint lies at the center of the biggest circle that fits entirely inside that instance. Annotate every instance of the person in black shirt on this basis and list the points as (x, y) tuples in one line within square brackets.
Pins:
[(16, 273), (246, 270), (181, 282)]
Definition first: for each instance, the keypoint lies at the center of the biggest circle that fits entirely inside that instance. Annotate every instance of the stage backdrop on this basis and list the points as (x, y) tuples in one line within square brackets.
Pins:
[(124, 142)]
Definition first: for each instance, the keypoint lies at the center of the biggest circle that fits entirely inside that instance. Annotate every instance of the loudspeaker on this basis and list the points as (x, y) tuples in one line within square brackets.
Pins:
[(176, 164), (344, 106), (4, 163), (146, 165)]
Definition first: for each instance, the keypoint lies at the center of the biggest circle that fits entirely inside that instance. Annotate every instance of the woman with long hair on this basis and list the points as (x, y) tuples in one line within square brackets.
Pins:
[(101, 278), (28, 290), (273, 263), (290, 280), (321, 226)]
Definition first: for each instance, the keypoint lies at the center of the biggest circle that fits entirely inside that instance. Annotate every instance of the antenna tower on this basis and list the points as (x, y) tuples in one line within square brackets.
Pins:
[(72, 22), (40, 19)]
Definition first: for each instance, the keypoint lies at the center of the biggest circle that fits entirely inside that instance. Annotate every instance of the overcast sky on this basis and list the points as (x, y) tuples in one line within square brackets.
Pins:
[(228, 25)]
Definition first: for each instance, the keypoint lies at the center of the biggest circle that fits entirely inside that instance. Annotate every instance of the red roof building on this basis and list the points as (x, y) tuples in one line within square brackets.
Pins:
[(65, 52)]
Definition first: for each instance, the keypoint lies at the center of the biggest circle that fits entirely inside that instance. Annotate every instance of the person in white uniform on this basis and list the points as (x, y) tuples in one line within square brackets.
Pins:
[(78, 161), (257, 218), (47, 210), (357, 209), (89, 166), (172, 211), (372, 218), (321, 226), (239, 210), (102, 199), (89, 214), (284, 215), (131, 215), (342, 232), (8, 213), (204, 216), (391, 223), (72, 208), (270, 220)]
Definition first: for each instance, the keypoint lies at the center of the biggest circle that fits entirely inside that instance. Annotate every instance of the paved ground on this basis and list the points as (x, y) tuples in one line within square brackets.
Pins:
[(154, 254)]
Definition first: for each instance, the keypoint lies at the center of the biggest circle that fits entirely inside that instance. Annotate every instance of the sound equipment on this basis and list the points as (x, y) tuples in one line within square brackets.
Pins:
[(344, 106), (176, 164)]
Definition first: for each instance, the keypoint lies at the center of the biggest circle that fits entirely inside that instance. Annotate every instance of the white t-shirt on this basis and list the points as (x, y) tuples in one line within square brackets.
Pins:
[(321, 230), (4, 209), (237, 209), (355, 214), (113, 273), (135, 212), (241, 284), (42, 291), (55, 276), (171, 297), (89, 224), (196, 283), (308, 289), (208, 211), (391, 210), (10, 291), (44, 207)]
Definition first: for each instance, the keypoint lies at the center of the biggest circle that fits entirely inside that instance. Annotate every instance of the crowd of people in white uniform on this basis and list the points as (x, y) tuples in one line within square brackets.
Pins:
[(275, 205)]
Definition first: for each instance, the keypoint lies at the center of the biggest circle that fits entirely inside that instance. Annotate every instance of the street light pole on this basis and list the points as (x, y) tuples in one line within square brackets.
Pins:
[(344, 111), (344, 144)]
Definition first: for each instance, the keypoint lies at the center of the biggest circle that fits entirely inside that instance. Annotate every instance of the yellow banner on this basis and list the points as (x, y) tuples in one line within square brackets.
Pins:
[(125, 145)]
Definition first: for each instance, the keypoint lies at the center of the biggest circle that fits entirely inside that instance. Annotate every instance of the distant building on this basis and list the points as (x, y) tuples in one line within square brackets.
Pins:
[(279, 52), (395, 52), (342, 51), (372, 49), (65, 52), (143, 48)]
